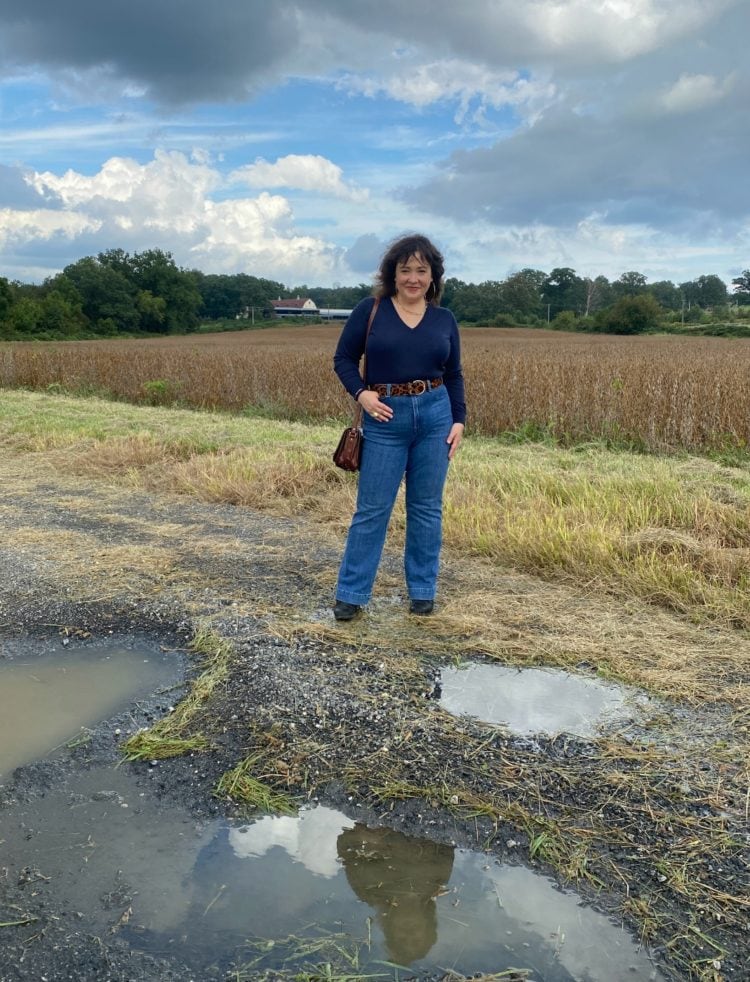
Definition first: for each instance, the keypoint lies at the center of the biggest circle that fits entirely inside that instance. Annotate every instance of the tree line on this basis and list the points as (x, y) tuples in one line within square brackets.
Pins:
[(119, 294)]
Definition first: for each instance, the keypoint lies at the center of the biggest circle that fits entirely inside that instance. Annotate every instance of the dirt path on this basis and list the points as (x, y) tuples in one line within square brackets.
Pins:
[(649, 821)]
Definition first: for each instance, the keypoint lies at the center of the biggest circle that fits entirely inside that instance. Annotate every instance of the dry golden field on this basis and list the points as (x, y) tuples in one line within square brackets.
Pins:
[(656, 392)]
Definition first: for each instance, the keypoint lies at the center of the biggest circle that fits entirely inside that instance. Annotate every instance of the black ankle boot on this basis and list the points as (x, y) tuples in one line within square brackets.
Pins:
[(343, 611), (422, 607)]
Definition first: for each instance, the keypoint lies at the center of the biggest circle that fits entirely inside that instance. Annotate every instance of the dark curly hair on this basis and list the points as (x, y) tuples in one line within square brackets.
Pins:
[(400, 251)]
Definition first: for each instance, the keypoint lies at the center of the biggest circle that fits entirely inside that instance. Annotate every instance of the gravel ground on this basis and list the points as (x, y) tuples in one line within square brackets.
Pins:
[(356, 725)]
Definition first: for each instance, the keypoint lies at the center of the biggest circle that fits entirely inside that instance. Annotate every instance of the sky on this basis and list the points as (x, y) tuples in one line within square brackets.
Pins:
[(295, 140)]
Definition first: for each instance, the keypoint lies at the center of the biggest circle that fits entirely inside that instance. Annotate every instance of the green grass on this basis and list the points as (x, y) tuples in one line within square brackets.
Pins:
[(244, 788), (39, 421), (672, 530), (171, 736)]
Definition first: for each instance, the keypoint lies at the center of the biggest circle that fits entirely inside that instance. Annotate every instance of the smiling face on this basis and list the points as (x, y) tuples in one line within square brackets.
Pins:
[(413, 278)]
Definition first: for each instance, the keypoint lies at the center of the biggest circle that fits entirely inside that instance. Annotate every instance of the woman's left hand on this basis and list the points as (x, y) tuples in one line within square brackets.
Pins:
[(454, 439)]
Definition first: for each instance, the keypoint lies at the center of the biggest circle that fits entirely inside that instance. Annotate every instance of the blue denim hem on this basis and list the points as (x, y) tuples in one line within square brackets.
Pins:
[(420, 596), (359, 599)]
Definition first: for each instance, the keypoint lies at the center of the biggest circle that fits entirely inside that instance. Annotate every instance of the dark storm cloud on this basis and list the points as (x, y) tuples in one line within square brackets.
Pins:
[(666, 169), (180, 51)]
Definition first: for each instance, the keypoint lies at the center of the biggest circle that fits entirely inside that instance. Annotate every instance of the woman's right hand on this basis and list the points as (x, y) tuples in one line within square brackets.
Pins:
[(371, 404)]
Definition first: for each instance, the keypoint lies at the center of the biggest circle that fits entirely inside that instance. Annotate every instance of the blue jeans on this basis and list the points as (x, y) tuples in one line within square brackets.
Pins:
[(412, 443)]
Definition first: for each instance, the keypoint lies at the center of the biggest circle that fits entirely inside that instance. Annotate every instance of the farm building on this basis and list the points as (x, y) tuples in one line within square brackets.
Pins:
[(295, 307)]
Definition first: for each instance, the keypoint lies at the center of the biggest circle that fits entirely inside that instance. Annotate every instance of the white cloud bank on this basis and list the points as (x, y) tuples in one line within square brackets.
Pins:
[(171, 202)]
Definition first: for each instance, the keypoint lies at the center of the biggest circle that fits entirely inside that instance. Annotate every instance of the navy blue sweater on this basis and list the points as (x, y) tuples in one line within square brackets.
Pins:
[(398, 353)]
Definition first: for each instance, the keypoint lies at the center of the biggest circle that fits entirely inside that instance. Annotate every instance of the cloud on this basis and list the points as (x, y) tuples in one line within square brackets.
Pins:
[(363, 256), (170, 203), (19, 226), (168, 192), (456, 81), (634, 163), (306, 172), (578, 33), (177, 53), (257, 235), (197, 52), (691, 92), (574, 118), (15, 190)]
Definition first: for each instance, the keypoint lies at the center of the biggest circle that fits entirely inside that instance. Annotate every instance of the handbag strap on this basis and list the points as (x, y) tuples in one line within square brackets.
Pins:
[(358, 419)]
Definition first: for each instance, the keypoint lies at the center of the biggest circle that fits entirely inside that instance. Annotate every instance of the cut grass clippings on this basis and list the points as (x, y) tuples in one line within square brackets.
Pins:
[(243, 788), (169, 736)]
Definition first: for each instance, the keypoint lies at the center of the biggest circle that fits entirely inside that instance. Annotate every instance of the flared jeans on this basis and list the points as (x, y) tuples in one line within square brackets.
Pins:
[(411, 445)]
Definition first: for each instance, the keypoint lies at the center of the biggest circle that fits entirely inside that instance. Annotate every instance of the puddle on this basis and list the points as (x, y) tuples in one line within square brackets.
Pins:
[(45, 700), (534, 700), (294, 893)]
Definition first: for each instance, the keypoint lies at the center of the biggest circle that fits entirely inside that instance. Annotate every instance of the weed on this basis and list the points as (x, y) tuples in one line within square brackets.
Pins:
[(161, 392)]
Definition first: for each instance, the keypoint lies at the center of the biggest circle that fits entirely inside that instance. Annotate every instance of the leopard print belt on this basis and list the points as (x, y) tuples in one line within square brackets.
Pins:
[(415, 388)]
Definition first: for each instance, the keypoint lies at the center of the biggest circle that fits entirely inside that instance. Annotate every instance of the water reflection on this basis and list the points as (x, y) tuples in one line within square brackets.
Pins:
[(309, 838), (396, 875), (533, 700), (400, 878), (221, 896)]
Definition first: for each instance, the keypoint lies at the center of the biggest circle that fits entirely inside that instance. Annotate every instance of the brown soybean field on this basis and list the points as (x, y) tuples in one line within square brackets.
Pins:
[(653, 393)]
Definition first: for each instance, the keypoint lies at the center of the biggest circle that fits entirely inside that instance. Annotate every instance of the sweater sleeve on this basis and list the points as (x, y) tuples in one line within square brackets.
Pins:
[(453, 376), (351, 347)]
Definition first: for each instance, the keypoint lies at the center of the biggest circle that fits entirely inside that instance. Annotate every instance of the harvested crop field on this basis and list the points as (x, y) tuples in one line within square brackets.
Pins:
[(650, 392)]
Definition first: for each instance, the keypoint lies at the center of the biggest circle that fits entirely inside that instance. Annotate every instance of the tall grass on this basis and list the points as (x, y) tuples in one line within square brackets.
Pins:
[(649, 393)]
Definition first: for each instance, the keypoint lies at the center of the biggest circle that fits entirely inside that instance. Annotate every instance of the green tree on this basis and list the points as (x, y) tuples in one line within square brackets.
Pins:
[(564, 290), (118, 260), (24, 317), (60, 317), (599, 294), (106, 294), (6, 298), (227, 296), (705, 292), (477, 302), (629, 315), (451, 286), (341, 297), (152, 311), (630, 284), (712, 291), (521, 293), (156, 272), (741, 288), (666, 293)]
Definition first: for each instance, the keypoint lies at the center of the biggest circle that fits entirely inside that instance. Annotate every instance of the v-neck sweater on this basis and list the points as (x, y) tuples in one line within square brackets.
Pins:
[(399, 353)]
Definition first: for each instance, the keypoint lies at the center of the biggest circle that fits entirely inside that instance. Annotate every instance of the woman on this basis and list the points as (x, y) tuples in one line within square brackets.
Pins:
[(413, 417)]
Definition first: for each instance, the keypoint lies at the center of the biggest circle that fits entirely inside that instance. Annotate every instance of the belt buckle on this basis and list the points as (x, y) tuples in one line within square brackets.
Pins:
[(418, 381)]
